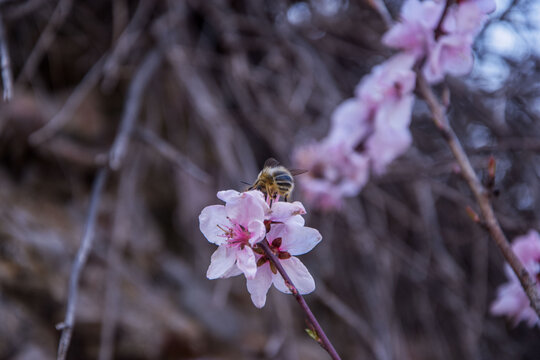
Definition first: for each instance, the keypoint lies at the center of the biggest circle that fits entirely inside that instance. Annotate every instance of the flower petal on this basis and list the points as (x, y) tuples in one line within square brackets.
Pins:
[(228, 195), (245, 260), (221, 263), (283, 211), (296, 240), (209, 219), (299, 274), (259, 285), (248, 206), (257, 231)]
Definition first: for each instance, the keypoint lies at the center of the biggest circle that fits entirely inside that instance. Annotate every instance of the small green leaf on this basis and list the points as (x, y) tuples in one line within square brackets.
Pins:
[(313, 334)]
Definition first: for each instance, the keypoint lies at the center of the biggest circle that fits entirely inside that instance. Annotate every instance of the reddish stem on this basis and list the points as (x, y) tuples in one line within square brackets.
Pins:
[(322, 338)]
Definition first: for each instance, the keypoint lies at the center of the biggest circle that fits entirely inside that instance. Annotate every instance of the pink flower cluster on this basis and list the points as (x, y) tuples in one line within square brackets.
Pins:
[(367, 133), (444, 38), (511, 298), (238, 226), (370, 130)]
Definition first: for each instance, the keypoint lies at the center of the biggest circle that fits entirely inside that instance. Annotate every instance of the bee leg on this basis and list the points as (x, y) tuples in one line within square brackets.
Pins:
[(286, 197)]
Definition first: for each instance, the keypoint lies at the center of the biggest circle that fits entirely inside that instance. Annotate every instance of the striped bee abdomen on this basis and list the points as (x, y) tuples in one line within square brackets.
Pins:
[(283, 180)]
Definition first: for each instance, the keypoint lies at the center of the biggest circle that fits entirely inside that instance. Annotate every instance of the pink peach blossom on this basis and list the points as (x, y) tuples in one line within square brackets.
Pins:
[(234, 227), (415, 31), (391, 136), (511, 298), (388, 89), (350, 123), (452, 53), (335, 171), (238, 226), (388, 81)]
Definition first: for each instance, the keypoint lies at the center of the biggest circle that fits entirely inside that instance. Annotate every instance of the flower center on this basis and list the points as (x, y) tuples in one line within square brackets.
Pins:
[(237, 235)]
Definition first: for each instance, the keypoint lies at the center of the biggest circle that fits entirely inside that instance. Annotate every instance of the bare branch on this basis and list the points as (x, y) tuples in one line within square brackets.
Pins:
[(170, 153), (480, 193), (89, 81), (133, 105), (45, 40), (82, 255)]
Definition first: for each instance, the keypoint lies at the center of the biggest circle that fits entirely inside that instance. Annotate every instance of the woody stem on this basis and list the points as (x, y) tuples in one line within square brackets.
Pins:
[(481, 194), (321, 336)]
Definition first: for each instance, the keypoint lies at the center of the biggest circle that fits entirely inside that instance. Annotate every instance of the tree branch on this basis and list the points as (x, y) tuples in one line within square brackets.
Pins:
[(82, 256), (480, 193)]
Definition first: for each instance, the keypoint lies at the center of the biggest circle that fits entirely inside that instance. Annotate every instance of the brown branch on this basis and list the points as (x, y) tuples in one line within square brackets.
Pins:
[(481, 194), (5, 63), (319, 332), (80, 260)]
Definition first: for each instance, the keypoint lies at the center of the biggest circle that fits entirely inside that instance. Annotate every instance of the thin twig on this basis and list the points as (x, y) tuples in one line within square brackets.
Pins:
[(78, 95), (133, 105), (322, 338), (367, 335), (5, 63), (170, 153), (46, 38), (127, 189), (480, 193), (125, 42), (82, 255)]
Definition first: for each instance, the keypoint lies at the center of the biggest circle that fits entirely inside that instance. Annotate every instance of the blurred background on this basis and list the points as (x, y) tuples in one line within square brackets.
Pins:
[(215, 88)]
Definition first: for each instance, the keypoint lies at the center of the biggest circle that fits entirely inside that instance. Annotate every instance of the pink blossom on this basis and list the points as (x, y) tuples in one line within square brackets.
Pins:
[(367, 131), (415, 32), (387, 82), (350, 123), (391, 136), (335, 171), (245, 220), (511, 298), (234, 227), (286, 240), (452, 54), (388, 89)]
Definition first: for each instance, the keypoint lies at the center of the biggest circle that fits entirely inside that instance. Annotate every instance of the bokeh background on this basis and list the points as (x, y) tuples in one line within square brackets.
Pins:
[(215, 88)]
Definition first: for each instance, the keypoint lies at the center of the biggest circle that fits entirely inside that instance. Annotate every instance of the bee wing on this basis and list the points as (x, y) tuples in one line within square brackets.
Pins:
[(271, 162), (295, 172)]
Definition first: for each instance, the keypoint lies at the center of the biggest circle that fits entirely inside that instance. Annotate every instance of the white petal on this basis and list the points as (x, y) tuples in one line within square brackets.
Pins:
[(233, 271), (300, 240), (295, 239), (228, 195), (221, 263), (257, 230), (299, 274), (245, 260), (209, 219), (282, 211), (259, 285), (249, 206)]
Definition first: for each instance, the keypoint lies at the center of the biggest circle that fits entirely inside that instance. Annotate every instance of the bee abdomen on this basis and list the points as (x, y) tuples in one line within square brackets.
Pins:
[(283, 177)]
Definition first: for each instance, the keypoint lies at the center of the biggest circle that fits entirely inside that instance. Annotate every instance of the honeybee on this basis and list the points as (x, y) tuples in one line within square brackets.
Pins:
[(275, 179)]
